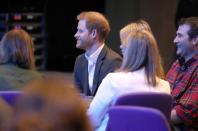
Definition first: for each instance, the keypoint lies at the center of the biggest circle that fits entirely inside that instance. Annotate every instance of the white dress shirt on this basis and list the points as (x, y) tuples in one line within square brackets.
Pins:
[(92, 59)]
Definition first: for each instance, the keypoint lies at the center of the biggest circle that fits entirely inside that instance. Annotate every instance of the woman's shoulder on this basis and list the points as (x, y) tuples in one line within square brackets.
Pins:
[(163, 82), (117, 75), (120, 78), (163, 85)]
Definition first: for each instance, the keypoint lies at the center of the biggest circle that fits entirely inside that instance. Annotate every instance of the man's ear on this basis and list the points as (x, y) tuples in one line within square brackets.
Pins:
[(195, 41), (94, 33)]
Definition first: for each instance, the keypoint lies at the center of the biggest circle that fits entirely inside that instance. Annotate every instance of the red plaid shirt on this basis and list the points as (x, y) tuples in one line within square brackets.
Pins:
[(183, 80)]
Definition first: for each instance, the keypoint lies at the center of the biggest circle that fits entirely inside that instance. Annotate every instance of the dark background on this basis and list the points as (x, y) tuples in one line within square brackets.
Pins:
[(61, 26), (61, 23)]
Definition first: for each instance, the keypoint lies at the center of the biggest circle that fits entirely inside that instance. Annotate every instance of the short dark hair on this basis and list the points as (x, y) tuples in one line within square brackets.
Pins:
[(193, 23)]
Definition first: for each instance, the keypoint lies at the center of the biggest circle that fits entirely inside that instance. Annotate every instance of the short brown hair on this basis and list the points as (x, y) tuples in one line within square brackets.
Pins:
[(95, 20), (16, 47), (193, 23)]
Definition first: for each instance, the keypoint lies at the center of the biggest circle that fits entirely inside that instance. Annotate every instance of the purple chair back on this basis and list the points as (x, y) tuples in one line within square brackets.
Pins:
[(10, 96), (136, 118), (160, 101)]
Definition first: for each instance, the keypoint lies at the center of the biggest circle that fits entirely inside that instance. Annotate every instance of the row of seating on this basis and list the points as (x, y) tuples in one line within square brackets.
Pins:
[(10, 96), (145, 111), (136, 118)]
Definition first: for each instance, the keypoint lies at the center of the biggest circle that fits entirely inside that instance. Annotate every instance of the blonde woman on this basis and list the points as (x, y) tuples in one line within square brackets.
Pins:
[(140, 71)]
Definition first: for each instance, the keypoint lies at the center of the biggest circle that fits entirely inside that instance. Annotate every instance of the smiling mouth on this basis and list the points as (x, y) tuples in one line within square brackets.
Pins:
[(177, 45)]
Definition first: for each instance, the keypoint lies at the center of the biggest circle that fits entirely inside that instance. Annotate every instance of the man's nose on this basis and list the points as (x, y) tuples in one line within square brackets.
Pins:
[(75, 35), (175, 40)]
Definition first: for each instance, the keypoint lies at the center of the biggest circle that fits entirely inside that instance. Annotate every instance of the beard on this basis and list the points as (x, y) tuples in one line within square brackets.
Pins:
[(78, 44), (83, 44)]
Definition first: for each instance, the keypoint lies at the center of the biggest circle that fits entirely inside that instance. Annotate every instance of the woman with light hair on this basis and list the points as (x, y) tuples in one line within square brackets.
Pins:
[(140, 72), (17, 62)]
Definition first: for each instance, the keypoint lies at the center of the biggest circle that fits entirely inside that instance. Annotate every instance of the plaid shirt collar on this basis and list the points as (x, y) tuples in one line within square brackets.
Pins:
[(185, 64)]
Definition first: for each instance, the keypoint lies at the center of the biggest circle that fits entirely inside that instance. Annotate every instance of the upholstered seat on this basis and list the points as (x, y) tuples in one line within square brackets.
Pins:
[(136, 118), (160, 101), (10, 96)]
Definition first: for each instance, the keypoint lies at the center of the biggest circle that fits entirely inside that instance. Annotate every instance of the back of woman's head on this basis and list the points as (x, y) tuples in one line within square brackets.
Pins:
[(50, 105), (139, 25), (142, 52), (16, 48)]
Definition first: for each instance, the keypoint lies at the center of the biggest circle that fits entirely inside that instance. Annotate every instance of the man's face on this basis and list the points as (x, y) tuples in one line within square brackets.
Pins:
[(83, 37), (182, 41)]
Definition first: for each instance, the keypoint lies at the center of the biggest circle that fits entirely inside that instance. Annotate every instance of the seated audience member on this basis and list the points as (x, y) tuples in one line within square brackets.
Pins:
[(98, 60), (141, 71), (16, 60), (50, 105), (183, 76)]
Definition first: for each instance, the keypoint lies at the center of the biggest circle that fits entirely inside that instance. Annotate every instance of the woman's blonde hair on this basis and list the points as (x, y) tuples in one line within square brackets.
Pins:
[(139, 25), (142, 51)]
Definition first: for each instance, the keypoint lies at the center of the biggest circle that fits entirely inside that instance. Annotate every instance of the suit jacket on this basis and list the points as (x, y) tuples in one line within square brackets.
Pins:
[(107, 62)]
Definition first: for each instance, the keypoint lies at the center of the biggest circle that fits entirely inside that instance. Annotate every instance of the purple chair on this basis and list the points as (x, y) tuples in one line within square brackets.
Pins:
[(136, 118), (160, 101), (10, 96)]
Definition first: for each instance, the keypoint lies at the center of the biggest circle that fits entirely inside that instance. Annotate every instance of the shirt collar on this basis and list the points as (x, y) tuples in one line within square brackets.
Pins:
[(94, 56), (185, 64)]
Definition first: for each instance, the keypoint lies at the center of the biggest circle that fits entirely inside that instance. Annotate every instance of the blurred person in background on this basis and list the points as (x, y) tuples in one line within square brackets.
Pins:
[(5, 115), (50, 105), (17, 61)]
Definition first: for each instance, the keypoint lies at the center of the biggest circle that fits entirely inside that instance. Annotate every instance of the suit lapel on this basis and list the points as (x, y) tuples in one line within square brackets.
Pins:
[(85, 72), (97, 69)]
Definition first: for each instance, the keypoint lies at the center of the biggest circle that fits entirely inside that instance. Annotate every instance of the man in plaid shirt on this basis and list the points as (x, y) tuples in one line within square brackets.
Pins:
[(183, 76)]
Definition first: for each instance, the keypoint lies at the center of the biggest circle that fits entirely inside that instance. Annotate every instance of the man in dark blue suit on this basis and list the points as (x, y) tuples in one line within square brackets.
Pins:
[(98, 60)]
